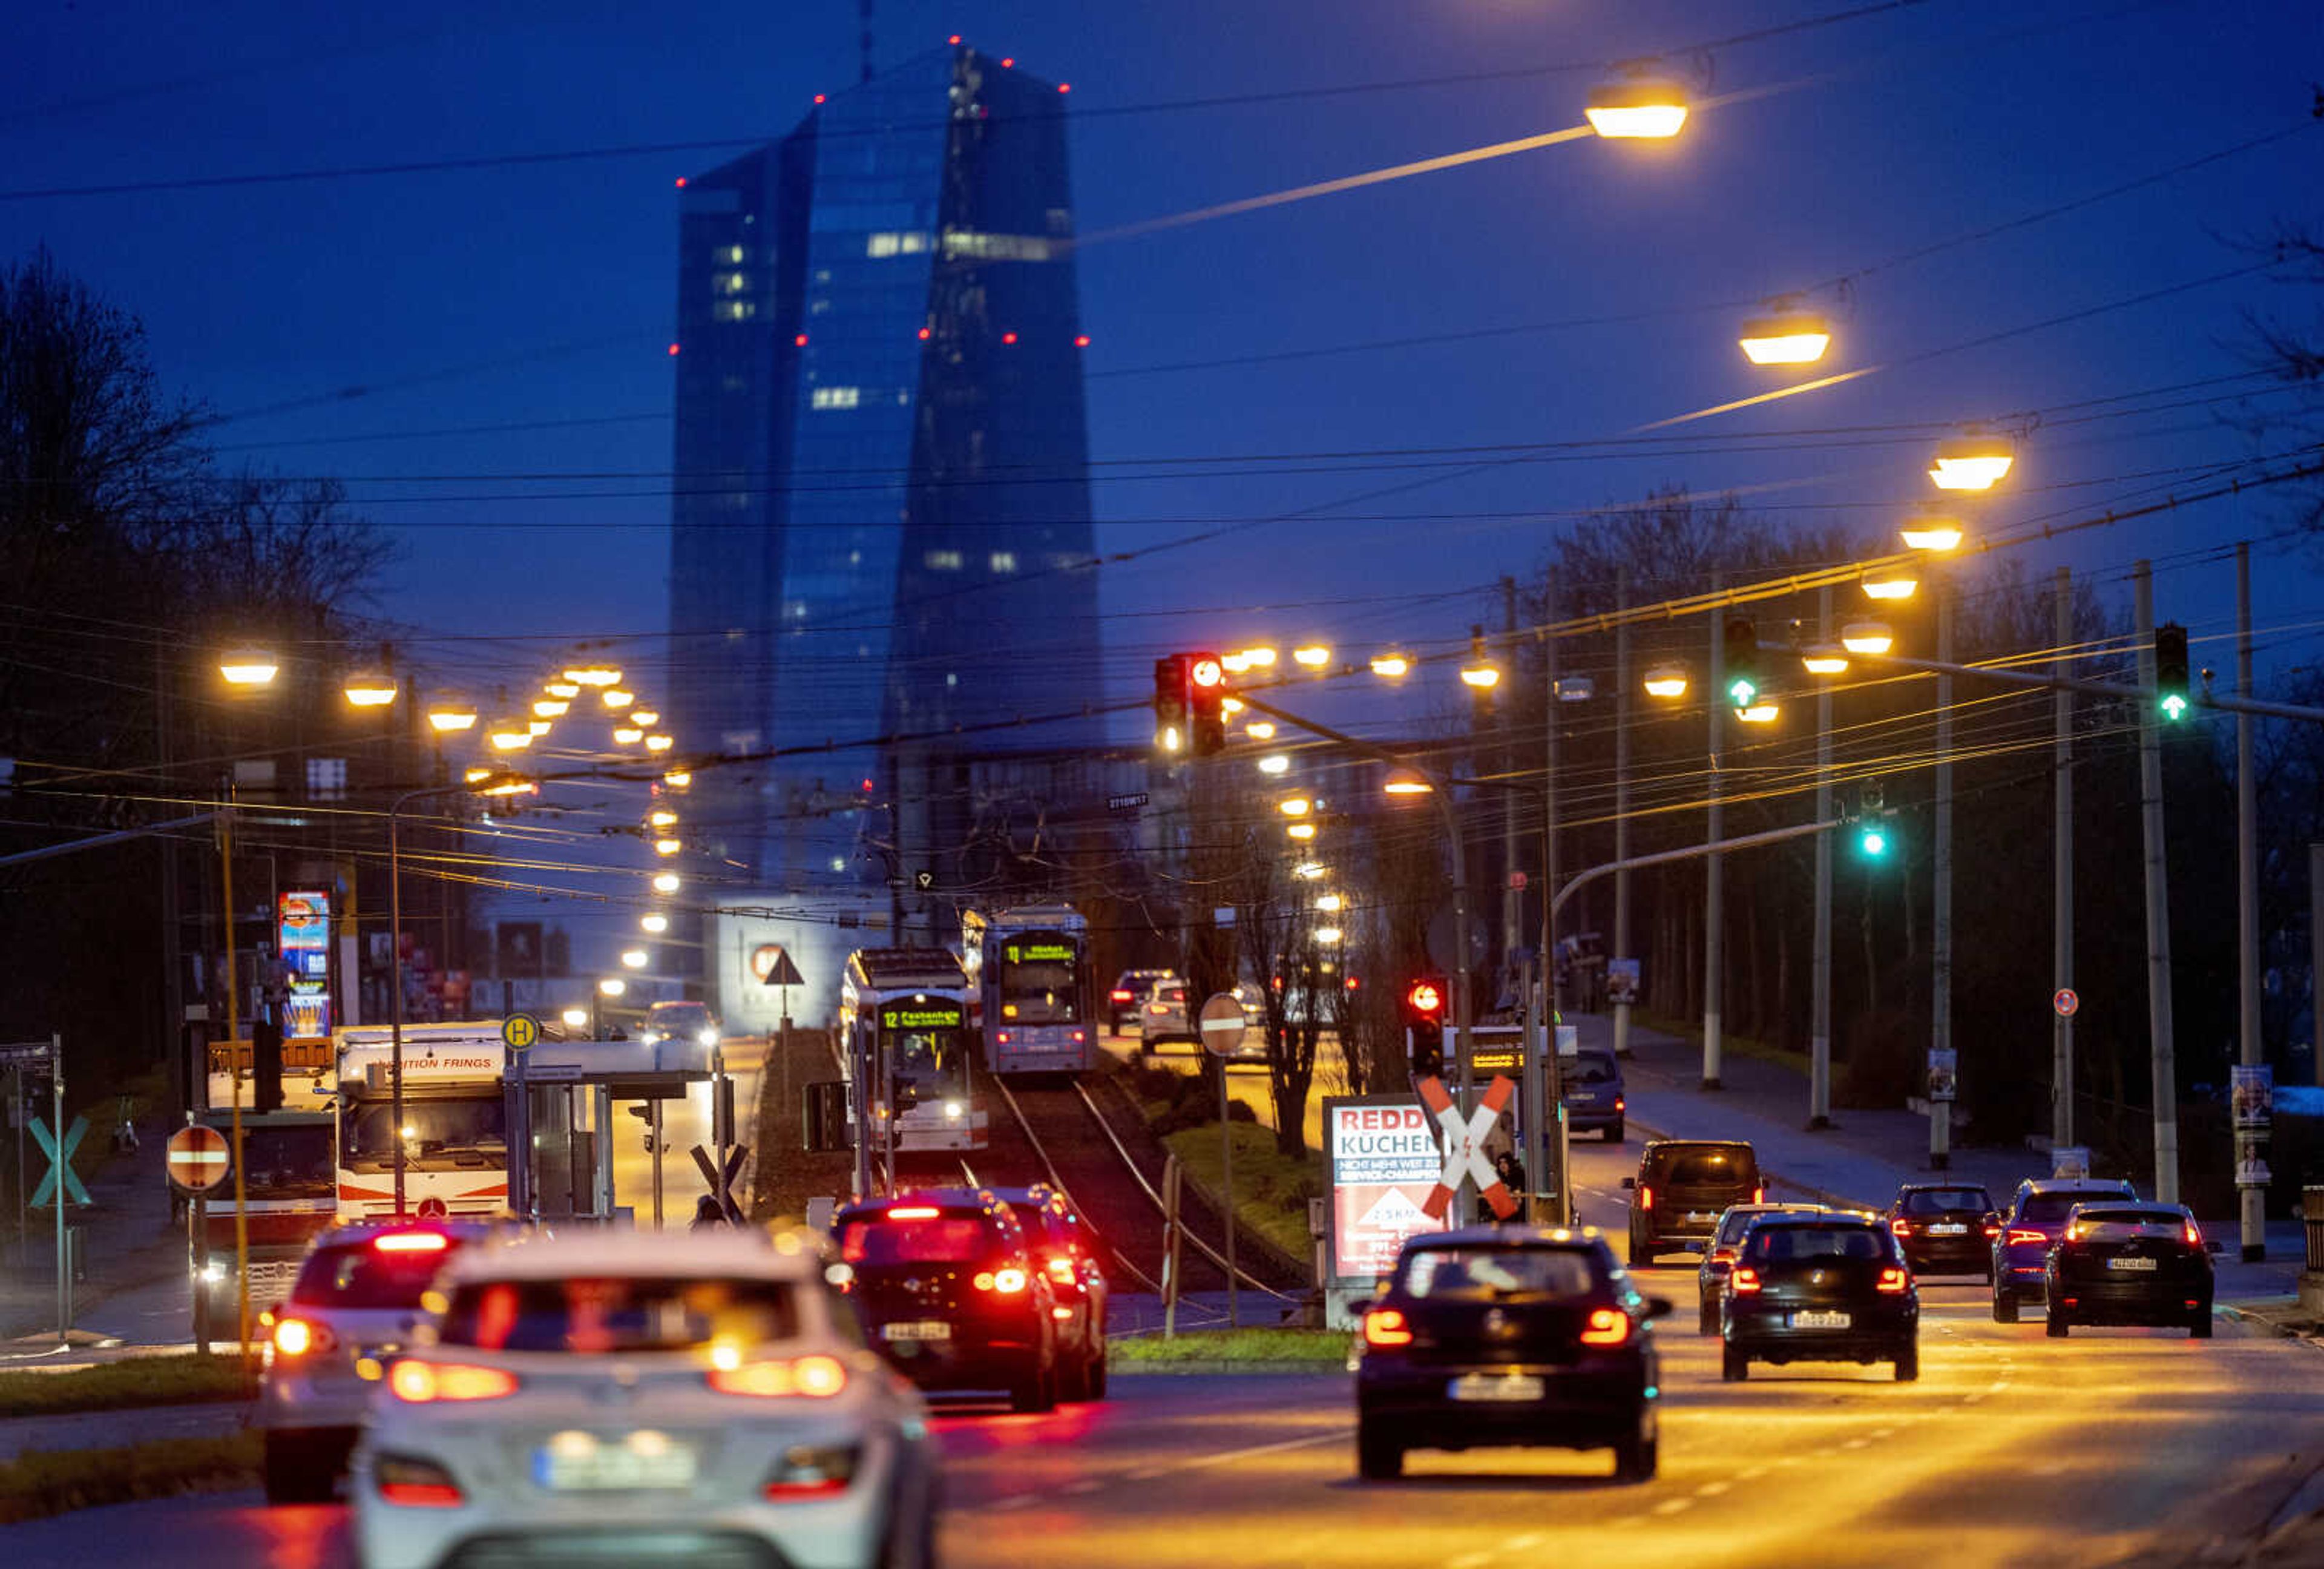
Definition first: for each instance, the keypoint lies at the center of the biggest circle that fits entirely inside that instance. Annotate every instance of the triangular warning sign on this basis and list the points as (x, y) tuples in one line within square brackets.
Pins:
[(1395, 1211)]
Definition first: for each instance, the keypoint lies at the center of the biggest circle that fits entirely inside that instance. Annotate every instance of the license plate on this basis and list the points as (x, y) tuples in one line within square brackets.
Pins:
[(1821, 1321), (614, 1466), (921, 1329), (1696, 1217), (1949, 1230), (1497, 1387), (2130, 1263)]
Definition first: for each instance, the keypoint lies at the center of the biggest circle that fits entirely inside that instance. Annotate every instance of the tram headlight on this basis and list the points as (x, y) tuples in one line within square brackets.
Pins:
[(953, 1109)]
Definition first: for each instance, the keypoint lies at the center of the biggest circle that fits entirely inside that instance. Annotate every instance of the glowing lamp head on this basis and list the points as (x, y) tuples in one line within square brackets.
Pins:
[(1974, 463), (370, 690), (1392, 666), (612, 986), (550, 708), (510, 736), (248, 667), (574, 1018), (1798, 338), (594, 676), (614, 697), (1260, 659), (1303, 831), (1295, 805), (659, 744), (1890, 588), (656, 923), (1639, 107), (1261, 730), (1936, 535), (1758, 714), (1824, 660), (1314, 656), (1666, 681), (677, 778), (1404, 781), (1483, 678), (1275, 763), (568, 690), (536, 728), (666, 883), (627, 735), (450, 715), (1867, 637), (633, 958)]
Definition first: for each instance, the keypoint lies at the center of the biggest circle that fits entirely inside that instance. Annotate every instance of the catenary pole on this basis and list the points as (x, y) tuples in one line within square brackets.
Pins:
[(2251, 1197), (1819, 1011), (2062, 891), (1715, 825), (2162, 1059)]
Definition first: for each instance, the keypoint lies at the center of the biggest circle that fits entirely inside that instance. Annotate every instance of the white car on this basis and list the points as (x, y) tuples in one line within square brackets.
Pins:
[(605, 1398), (689, 1031)]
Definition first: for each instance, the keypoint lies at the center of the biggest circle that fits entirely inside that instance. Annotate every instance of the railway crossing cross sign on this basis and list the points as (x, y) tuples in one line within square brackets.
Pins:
[(722, 1180), (1464, 1147), (47, 1141), (197, 1159)]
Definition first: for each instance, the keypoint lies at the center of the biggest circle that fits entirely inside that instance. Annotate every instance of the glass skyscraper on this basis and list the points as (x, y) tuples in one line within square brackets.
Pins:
[(881, 543)]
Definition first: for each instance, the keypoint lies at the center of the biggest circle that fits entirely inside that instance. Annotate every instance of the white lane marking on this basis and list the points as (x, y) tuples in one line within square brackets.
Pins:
[(1884, 1432), (1337, 1436), (1971, 1400), (1526, 1543), (1021, 1501), (1999, 1385), (1085, 1487), (1468, 1561), (1711, 1489), (1857, 1444), (1754, 1474), (1672, 1506)]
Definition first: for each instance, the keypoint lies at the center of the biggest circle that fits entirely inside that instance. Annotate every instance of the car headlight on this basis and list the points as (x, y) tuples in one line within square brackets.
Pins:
[(953, 1109), (213, 1271), (708, 1038)]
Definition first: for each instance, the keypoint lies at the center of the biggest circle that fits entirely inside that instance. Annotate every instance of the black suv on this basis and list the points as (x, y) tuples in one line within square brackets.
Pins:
[(954, 1293), (1825, 1288), (1508, 1334), (2131, 1263), (1683, 1186), (2021, 1254), (1069, 1250), (1946, 1228)]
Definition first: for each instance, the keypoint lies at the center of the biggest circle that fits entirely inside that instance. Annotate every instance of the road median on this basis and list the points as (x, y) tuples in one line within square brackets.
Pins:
[(42, 1482), (1245, 1351), (141, 1381)]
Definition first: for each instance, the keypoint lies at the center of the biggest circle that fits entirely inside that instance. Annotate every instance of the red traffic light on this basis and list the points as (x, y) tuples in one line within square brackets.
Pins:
[(1426, 996), (1206, 669)]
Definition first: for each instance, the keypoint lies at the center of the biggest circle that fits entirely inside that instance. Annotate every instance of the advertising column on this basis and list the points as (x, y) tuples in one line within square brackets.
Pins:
[(1384, 1163), (304, 920)]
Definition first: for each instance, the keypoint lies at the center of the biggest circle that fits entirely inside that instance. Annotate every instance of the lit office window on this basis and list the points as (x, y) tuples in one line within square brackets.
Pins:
[(730, 254), (1004, 561), (942, 560), (837, 397), (732, 310), (326, 778)]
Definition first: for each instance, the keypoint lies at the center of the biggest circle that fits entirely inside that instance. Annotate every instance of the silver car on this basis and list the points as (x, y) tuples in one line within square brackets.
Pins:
[(605, 1398), (358, 1298)]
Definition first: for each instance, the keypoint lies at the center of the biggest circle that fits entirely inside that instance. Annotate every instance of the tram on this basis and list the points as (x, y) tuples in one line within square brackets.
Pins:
[(904, 1023), (1033, 998)]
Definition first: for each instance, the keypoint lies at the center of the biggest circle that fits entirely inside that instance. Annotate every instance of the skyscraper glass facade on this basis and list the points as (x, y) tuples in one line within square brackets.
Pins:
[(881, 540)]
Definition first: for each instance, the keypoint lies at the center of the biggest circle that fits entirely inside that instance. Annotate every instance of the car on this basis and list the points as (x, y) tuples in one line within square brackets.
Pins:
[(1946, 1228), (1596, 1099), (1127, 1000), (632, 1397), (359, 1297), (953, 1293), (1710, 1280), (1069, 1250), (2037, 1218), (1493, 1335), (1683, 1186), (2121, 1262), (1829, 1288), (689, 1028), (1163, 1015)]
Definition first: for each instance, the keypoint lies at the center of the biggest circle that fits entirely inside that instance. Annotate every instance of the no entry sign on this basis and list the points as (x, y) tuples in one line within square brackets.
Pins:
[(197, 1158)]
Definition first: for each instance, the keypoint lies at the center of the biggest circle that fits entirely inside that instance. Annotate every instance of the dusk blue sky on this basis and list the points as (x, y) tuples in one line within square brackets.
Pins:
[(541, 294)]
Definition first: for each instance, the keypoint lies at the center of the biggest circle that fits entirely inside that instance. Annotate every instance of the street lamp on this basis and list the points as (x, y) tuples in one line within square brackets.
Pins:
[(633, 958), (614, 697), (1936, 535), (667, 846), (449, 713), (1867, 637), (1303, 831), (1295, 805), (646, 718), (1407, 781), (574, 1018), (1824, 660), (1259, 730), (1392, 666), (1972, 463), (1759, 713), (248, 667), (1793, 339), (659, 744), (594, 676), (656, 922), (509, 735), (1484, 677), (550, 708), (677, 778), (1666, 681), (1314, 656), (1275, 763), (370, 690), (666, 883), (568, 690), (1638, 107), (627, 735), (661, 817), (1887, 589)]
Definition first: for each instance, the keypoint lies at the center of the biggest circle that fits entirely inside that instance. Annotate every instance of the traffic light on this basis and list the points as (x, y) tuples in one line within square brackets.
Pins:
[(1206, 695), (2170, 685), (1170, 708), (1741, 659), (1423, 1005), (1873, 838)]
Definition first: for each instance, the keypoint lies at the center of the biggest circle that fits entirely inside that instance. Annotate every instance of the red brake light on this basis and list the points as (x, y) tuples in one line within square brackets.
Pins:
[(1744, 1281), (812, 1472), (416, 1483), (1893, 1281), (815, 1378), (1079, 1037), (1608, 1327), (1061, 1269), (2018, 1234), (295, 1337), (918, 1212), (1387, 1326), (1901, 1226), (410, 1242), (1120, 996), (2194, 1235), (1993, 1229), (1645, 1198), (1620, 1105), (417, 1383), (1008, 1282)]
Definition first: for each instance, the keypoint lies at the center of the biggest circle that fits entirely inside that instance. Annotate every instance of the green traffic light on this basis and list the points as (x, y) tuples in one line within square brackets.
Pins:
[(1873, 843), (1741, 690), (2174, 706)]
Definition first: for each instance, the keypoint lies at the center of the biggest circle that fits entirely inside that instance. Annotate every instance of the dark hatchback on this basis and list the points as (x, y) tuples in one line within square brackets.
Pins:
[(1831, 1288), (1945, 1227), (953, 1293), (2036, 1219), (1596, 1099), (1498, 1336), (2131, 1263), (1068, 1249), (1683, 1186), (1710, 1280)]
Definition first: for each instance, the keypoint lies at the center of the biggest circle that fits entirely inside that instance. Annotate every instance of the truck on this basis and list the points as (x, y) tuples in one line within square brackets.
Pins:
[(288, 1165), (454, 1120)]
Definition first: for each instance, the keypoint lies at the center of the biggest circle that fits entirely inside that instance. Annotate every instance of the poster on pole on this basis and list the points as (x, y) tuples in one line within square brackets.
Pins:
[(1622, 981), (1384, 1164), (1942, 1060), (2253, 1097)]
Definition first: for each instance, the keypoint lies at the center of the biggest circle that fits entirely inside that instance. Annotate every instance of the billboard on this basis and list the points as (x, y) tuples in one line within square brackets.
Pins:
[(1384, 1162), (303, 923)]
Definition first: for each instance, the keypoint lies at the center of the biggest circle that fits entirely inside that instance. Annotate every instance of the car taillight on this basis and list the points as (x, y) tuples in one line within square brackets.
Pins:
[(1645, 1198), (1901, 1226), (2194, 1235), (1893, 1281), (1608, 1327), (2019, 1234), (1387, 1326), (1758, 1195), (1079, 1037), (410, 1242), (1157, 1008), (295, 1337), (812, 1470), (918, 1212), (418, 1383), (1619, 1104), (421, 1484), (1744, 1281), (1061, 1271), (1008, 1282), (1993, 1228), (1004, 1037), (815, 1377), (1122, 997)]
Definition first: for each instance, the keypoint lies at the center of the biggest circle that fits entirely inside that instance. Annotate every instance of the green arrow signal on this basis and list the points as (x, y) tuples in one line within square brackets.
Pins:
[(2174, 706)]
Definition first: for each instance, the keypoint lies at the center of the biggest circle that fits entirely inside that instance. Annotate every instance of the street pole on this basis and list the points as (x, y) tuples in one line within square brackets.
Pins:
[(2315, 961), (57, 1112), (232, 1027), (1941, 965), (2251, 1199), (1621, 804), (2164, 1065), (1715, 825), (1820, 1014), (1513, 902), (1553, 1094), (395, 990), (1226, 1169), (2061, 893)]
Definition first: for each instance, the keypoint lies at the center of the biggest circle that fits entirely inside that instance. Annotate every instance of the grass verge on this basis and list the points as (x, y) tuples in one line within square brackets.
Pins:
[(1323, 1347), (1270, 1192), (170, 1380), (37, 1483), (1740, 1045)]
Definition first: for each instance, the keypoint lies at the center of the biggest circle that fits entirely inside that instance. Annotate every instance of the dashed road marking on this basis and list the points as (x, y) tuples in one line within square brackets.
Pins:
[(1090, 1486), (1754, 1474), (1672, 1506), (1711, 1489), (1526, 1543), (1857, 1444), (1019, 1502), (1884, 1432), (1468, 1561)]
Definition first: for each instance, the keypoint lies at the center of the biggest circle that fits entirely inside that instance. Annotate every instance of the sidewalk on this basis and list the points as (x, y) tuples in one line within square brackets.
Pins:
[(1862, 1159), (126, 1239)]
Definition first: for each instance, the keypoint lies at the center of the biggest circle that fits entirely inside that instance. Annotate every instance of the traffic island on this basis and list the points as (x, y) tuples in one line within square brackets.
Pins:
[(1247, 1352), (139, 1382), (38, 1483)]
